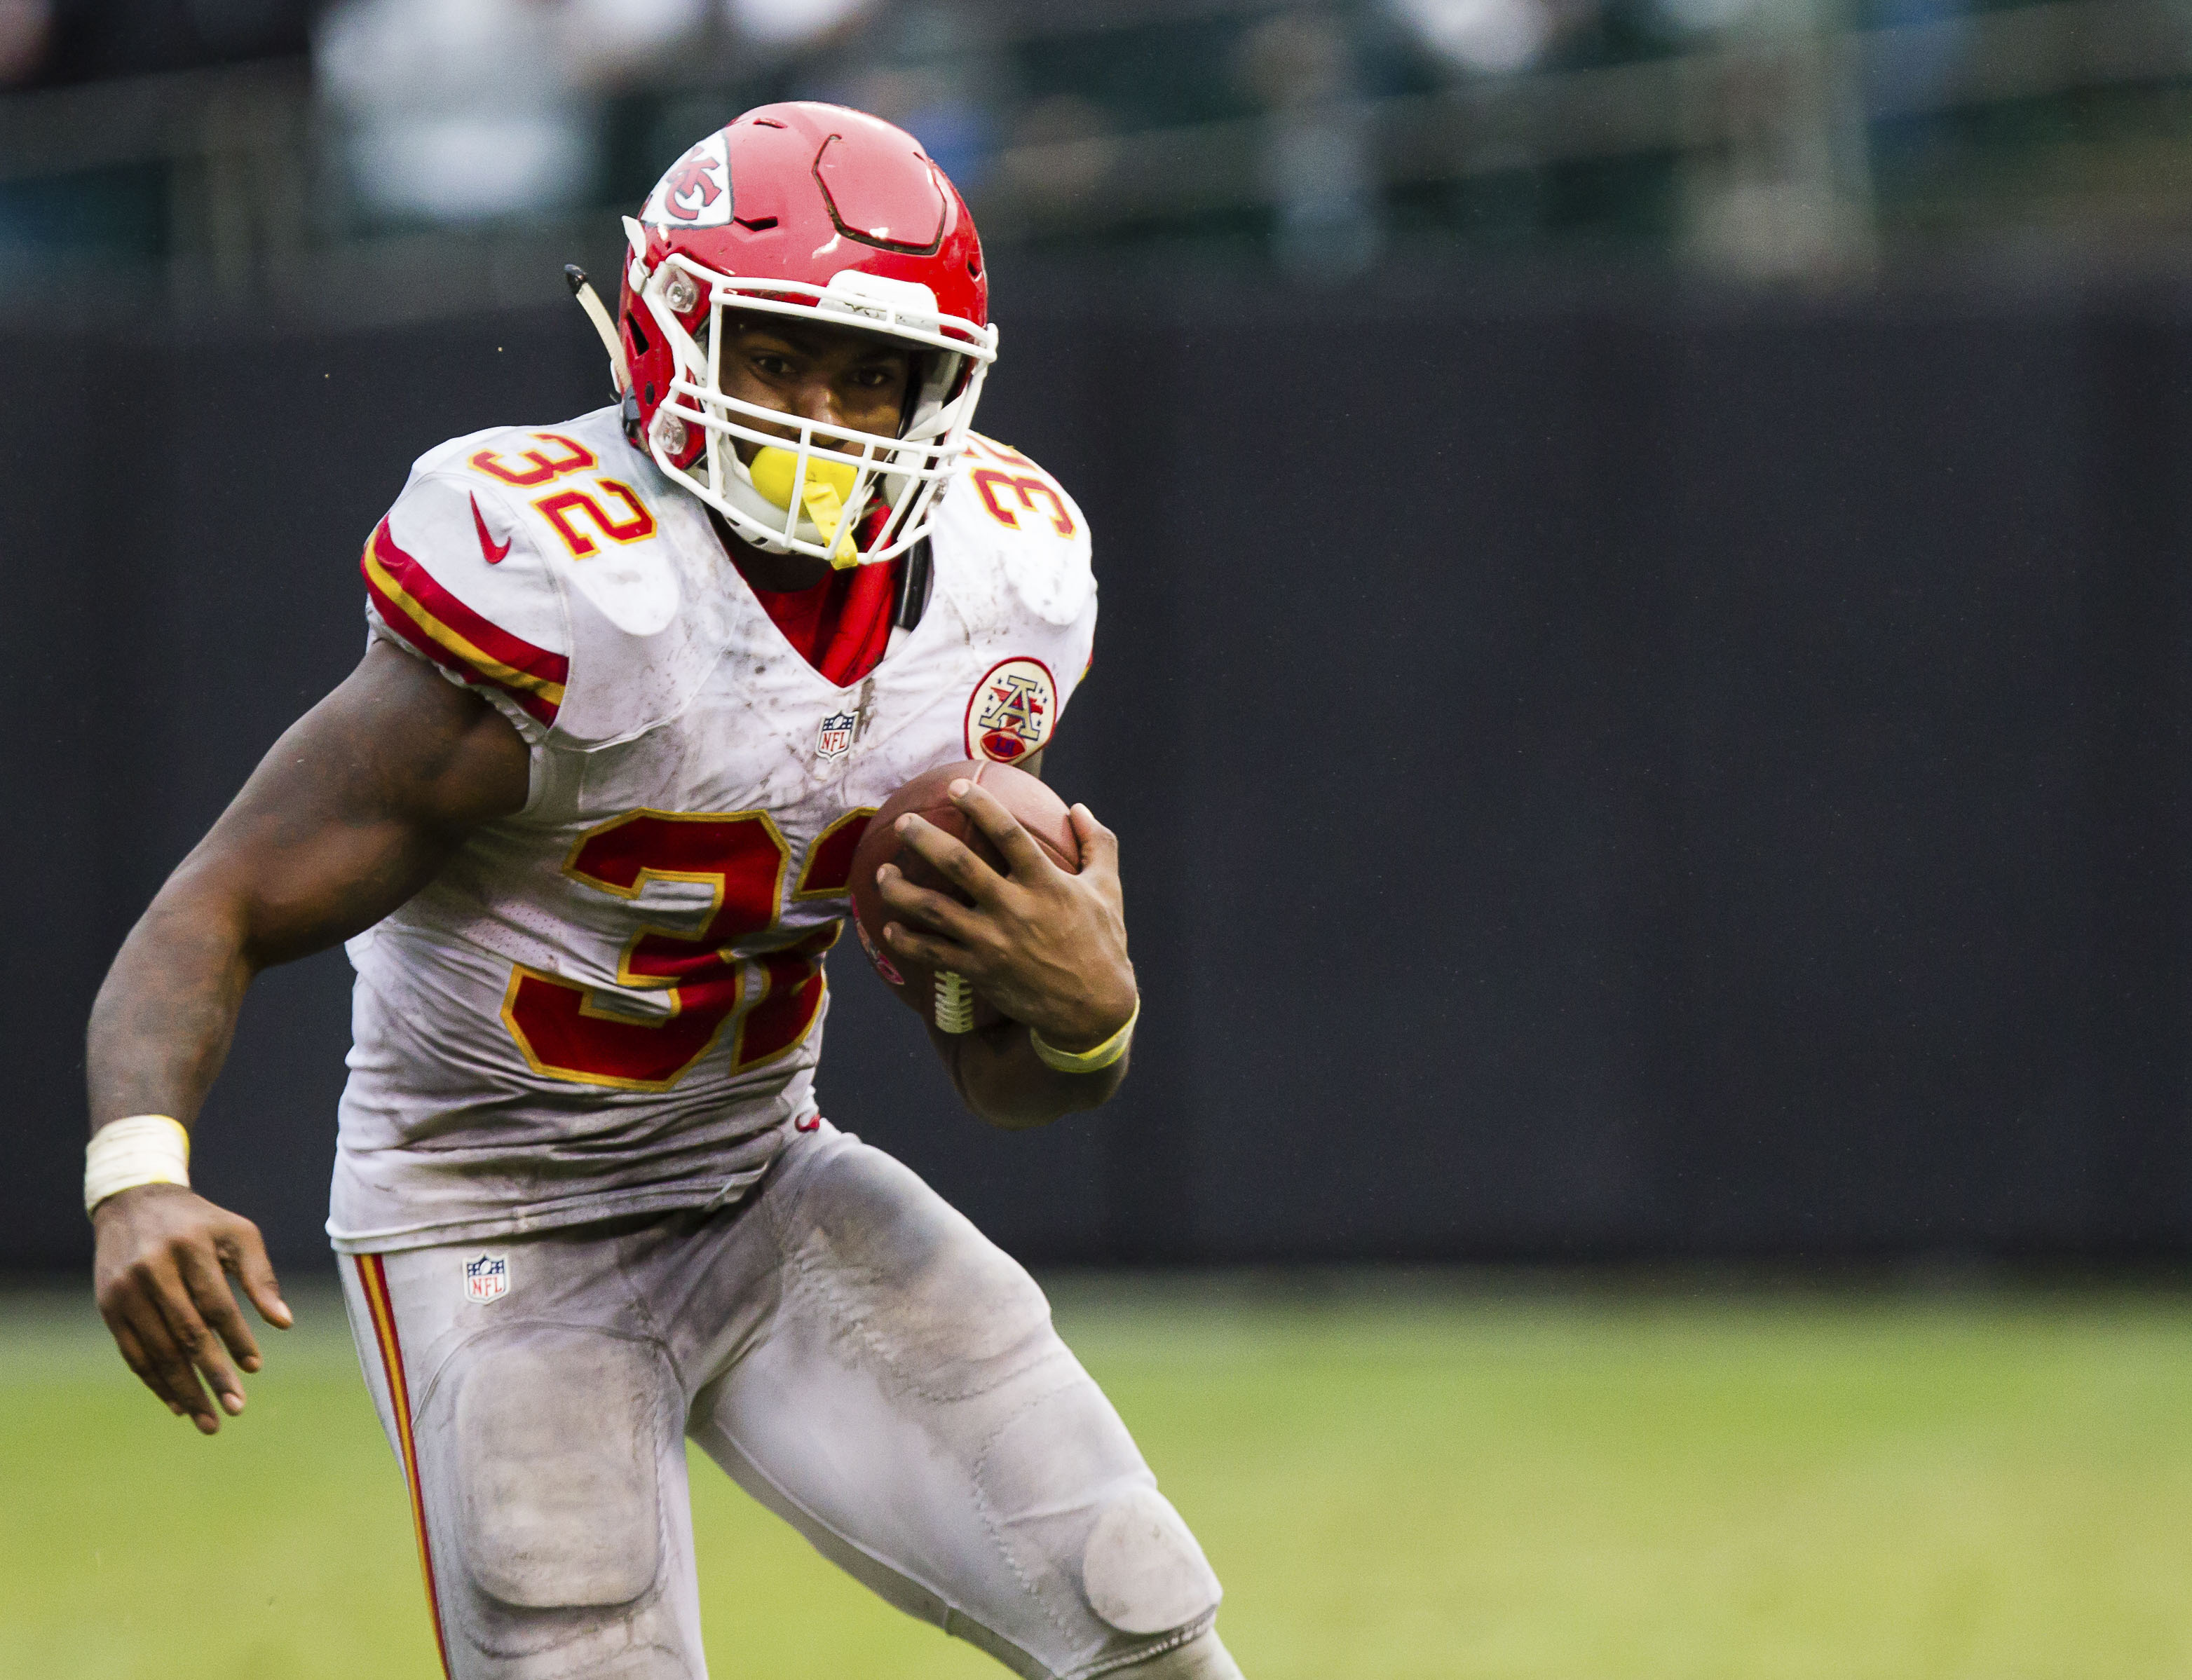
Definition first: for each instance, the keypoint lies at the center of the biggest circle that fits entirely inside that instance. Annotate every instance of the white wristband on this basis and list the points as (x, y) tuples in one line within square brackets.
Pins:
[(142, 1149)]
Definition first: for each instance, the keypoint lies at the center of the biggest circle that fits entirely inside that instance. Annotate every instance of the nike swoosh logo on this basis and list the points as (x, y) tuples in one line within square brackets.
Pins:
[(493, 550)]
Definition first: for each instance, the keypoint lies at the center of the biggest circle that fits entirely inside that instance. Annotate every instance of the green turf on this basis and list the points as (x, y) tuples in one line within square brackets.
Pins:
[(1396, 1479)]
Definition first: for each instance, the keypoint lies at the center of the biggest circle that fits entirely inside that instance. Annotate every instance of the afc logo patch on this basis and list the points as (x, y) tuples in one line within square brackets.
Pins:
[(487, 1278), (834, 739), (1010, 711)]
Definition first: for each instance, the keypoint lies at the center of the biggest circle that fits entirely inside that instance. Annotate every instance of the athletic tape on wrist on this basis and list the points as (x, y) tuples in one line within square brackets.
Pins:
[(1087, 1061), (140, 1149)]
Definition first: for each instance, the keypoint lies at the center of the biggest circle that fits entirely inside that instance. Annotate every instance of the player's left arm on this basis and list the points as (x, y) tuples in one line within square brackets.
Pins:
[(1049, 948)]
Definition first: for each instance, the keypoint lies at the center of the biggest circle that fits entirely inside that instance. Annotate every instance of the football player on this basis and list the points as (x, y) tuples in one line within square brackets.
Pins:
[(585, 814)]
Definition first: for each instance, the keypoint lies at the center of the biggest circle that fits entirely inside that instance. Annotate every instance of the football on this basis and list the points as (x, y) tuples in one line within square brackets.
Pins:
[(944, 996)]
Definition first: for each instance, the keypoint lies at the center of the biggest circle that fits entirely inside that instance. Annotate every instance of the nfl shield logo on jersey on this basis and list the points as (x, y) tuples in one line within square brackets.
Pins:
[(487, 1278), (835, 737)]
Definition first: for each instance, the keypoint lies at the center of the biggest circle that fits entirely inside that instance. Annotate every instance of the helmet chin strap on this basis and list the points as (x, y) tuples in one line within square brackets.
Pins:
[(589, 301)]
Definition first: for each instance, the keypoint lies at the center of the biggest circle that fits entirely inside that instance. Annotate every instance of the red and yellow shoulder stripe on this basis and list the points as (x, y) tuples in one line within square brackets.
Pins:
[(450, 633)]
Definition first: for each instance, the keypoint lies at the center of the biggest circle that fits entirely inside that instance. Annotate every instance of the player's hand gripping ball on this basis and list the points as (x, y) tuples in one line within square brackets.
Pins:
[(940, 995)]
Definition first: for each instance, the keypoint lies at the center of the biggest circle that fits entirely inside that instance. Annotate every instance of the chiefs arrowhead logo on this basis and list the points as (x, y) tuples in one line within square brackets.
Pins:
[(694, 178), (697, 190)]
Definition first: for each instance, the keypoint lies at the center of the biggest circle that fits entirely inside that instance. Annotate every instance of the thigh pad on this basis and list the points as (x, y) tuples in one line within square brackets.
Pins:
[(558, 1431)]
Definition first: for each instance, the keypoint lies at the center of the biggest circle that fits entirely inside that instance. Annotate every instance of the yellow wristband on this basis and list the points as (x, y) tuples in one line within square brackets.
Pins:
[(1087, 1061), (139, 1149)]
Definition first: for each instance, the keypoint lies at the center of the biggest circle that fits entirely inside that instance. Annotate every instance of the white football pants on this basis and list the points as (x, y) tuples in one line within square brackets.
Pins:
[(849, 1349)]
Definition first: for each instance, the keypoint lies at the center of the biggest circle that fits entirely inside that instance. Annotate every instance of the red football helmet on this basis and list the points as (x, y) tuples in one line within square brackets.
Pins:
[(832, 216)]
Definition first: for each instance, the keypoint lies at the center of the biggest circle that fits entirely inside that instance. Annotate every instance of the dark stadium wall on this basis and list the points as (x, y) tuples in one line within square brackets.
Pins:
[(1645, 776)]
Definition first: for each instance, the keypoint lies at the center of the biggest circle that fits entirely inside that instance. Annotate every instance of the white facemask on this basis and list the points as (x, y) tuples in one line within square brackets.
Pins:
[(810, 494)]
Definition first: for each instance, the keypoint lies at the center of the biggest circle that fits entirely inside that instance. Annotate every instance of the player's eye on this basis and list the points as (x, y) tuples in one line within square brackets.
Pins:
[(769, 362)]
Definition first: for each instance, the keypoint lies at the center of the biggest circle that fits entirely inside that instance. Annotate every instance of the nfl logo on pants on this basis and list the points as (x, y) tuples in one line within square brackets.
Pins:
[(487, 1277)]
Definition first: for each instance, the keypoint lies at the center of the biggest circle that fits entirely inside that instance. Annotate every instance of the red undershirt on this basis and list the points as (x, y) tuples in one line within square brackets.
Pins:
[(839, 625)]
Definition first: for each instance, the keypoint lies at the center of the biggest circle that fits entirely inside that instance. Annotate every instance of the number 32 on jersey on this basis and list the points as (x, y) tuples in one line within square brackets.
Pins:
[(770, 998)]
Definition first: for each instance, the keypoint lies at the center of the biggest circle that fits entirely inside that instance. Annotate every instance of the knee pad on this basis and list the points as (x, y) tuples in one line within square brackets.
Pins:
[(558, 1434), (1089, 1536), (657, 1665), (1142, 1570), (1201, 1657)]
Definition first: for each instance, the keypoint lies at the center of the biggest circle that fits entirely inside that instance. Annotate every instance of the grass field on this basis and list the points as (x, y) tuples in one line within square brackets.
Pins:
[(1396, 1478)]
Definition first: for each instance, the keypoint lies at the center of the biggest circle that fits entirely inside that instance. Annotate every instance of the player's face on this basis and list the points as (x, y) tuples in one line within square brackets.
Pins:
[(837, 379)]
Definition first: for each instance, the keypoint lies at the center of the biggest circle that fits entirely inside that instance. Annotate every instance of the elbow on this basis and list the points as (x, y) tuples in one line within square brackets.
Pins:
[(1021, 1119), (1030, 1106), (1020, 1116), (1004, 1087)]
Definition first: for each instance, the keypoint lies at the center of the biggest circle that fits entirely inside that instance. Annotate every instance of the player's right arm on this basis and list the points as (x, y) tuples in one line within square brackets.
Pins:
[(353, 811)]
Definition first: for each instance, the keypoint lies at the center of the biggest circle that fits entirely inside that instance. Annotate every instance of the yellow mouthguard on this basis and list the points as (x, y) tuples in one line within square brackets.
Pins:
[(829, 485)]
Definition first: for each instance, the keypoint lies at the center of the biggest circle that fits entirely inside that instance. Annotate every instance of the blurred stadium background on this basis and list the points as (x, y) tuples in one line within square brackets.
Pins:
[(1644, 682)]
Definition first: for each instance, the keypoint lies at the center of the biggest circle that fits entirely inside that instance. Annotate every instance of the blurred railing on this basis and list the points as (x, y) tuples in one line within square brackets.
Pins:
[(1706, 106), (1765, 129), (233, 147)]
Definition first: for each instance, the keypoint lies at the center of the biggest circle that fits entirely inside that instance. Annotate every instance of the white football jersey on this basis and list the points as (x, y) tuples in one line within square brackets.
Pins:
[(611, 1001)]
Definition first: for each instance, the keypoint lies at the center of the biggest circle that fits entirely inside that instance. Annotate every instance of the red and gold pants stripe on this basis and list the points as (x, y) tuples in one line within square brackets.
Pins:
[(373, 1278)]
